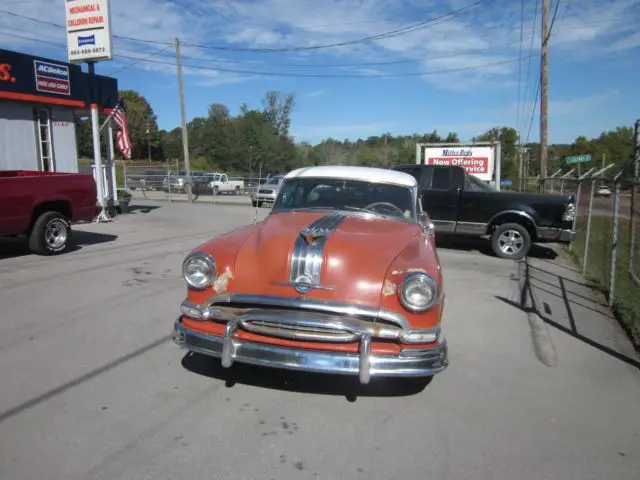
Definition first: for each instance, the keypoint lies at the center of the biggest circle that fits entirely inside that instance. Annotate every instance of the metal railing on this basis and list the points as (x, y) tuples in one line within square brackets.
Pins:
[(171, 184)]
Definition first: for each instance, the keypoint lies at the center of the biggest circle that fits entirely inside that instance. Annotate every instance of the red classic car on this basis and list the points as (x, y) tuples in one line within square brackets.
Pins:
[(341, 277)]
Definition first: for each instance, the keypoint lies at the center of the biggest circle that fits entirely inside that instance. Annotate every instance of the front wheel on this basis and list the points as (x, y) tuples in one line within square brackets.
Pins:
[(51, 234), (511, 241)]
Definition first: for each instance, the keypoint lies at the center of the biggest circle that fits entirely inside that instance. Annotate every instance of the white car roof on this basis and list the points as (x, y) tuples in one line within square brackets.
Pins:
[(368, 174)]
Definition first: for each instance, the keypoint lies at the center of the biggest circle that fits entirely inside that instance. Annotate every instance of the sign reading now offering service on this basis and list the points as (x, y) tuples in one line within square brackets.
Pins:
[(477, 161), (88, 30)]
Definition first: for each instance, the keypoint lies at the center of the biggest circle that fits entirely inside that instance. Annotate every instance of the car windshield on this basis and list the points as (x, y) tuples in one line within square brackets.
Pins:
[(273, 180), (341, 194), (474, 184)]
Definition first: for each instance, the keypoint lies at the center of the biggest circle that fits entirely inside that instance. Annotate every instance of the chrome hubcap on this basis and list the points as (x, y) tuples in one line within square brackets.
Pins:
[(510, 242), (55, 234)]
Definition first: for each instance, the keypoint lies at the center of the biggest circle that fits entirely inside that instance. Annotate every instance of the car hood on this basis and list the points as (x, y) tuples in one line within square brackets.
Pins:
[(352, 260)]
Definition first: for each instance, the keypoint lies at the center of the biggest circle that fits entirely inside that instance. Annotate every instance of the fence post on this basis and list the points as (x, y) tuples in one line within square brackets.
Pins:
[(634, 187), (614, 247), (578, 193), (594, 177), (585, 258)]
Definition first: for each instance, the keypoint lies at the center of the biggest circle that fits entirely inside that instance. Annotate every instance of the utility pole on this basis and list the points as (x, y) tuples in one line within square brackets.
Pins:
[(544, 152), (521, 169), (185, 137), (149, 141), (386, 152)]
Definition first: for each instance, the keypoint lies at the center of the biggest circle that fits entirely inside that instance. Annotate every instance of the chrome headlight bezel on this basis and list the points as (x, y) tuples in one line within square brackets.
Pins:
[(417, 279), (209, 269)]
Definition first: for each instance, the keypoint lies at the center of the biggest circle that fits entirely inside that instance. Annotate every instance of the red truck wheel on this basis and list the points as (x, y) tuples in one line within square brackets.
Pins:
[(51, 234)]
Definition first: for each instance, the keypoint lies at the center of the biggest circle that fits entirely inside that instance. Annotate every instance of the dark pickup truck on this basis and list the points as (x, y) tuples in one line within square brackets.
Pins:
[(461, 204), (42, 206)]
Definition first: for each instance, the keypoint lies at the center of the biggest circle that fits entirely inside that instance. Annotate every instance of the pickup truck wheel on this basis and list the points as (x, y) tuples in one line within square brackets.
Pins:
[(511, 240), (51, 234)]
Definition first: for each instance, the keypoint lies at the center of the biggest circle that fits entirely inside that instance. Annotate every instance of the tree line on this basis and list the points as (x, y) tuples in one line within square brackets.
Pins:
[(260, 138)]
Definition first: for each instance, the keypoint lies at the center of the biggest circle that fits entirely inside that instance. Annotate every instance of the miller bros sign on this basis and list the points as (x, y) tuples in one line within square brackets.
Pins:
[(476, 160), (88, 30)]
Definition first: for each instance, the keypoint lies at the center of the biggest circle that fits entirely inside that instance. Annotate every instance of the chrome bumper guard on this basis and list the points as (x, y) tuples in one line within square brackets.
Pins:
[(410, 363), (311, 320)]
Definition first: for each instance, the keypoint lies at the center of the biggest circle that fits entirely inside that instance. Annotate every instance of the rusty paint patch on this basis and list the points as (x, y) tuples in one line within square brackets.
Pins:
[(408, 270), (389, 288), (222, 282)]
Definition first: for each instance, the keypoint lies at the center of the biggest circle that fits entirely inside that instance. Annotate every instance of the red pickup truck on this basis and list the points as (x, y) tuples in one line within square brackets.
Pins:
[(42, 206)]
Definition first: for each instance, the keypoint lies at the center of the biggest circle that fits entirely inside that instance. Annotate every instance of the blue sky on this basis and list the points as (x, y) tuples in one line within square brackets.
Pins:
[(413, 86)]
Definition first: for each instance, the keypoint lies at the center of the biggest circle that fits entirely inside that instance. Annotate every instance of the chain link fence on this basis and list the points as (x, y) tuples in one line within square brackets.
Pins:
[(171, 184), (607, 241)]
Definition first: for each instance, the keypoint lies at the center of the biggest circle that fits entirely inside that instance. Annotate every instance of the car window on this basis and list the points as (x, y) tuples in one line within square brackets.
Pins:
[(340, 194), (441, 179), (474, 184)]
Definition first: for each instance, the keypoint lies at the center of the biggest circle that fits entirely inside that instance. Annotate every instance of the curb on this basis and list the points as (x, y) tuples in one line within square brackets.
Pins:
[(543, 345), (179, 200)]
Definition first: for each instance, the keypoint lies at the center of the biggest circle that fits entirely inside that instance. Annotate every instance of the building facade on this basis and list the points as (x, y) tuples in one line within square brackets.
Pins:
[(40, 100)]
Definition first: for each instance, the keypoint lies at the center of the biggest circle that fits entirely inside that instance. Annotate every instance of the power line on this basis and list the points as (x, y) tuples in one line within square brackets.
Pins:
[(453, 53), (450, 54), (290, 74), (390, 34), (533, 31), (152, 54), (520, 65), (312, 75)]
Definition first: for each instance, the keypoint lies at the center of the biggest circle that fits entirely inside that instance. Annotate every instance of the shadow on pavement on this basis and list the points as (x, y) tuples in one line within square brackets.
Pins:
[(566, 304), (143, 208), (19, 247), (302, 382), (82, 379), (481, 245)]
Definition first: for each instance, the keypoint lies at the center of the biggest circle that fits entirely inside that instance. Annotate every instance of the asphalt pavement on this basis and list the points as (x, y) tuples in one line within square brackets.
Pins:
[(93, 388)]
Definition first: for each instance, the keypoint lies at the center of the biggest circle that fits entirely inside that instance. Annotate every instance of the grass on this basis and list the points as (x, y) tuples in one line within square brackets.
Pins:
[(627, 293)]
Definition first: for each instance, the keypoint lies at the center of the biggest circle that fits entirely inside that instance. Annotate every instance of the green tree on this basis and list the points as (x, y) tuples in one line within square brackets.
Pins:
[(141, 123)]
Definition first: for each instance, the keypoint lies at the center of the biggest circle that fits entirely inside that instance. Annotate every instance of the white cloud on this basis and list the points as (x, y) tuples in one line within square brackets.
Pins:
[(480, 37)]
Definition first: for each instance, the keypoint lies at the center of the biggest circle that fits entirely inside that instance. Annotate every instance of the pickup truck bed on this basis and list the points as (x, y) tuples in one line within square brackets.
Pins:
[(42, 206)]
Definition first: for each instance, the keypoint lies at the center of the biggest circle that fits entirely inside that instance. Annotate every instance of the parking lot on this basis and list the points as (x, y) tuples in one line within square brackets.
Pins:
[(92, 387)]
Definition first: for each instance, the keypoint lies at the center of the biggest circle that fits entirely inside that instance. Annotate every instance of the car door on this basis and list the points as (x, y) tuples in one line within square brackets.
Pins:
[(440, 197)]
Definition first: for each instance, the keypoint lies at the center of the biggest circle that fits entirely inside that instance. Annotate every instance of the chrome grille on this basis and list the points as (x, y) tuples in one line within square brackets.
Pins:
[(304, 325)]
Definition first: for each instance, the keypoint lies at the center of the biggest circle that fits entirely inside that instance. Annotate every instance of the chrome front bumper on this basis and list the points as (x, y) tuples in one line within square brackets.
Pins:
[(550, 234), (410, 363)]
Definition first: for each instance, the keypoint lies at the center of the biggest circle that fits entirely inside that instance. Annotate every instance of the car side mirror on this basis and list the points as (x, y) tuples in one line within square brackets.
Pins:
[(427, 226)]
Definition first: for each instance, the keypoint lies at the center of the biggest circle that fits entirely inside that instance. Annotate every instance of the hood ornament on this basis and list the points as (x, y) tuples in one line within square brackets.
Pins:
[(303, 284), (310, 235)]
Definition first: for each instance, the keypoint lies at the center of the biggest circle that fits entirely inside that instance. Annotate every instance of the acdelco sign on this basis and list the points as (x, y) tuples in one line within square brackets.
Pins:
[(52, 78), (478, 161)]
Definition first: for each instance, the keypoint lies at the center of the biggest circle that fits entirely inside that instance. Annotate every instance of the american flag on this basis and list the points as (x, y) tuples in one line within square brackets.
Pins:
[(123, 142)]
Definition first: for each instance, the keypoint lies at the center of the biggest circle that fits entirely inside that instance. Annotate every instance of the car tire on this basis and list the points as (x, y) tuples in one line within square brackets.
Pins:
[(511, 241), (254, 203), (50, 235)]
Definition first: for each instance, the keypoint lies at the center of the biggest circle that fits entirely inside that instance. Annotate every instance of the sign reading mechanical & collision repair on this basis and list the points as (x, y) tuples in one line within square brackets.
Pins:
[(88, 30), (477, 161)]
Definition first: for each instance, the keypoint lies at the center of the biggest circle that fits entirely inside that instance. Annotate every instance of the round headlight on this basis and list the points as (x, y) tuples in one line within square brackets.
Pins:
[(199, 270), (418, 292)]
